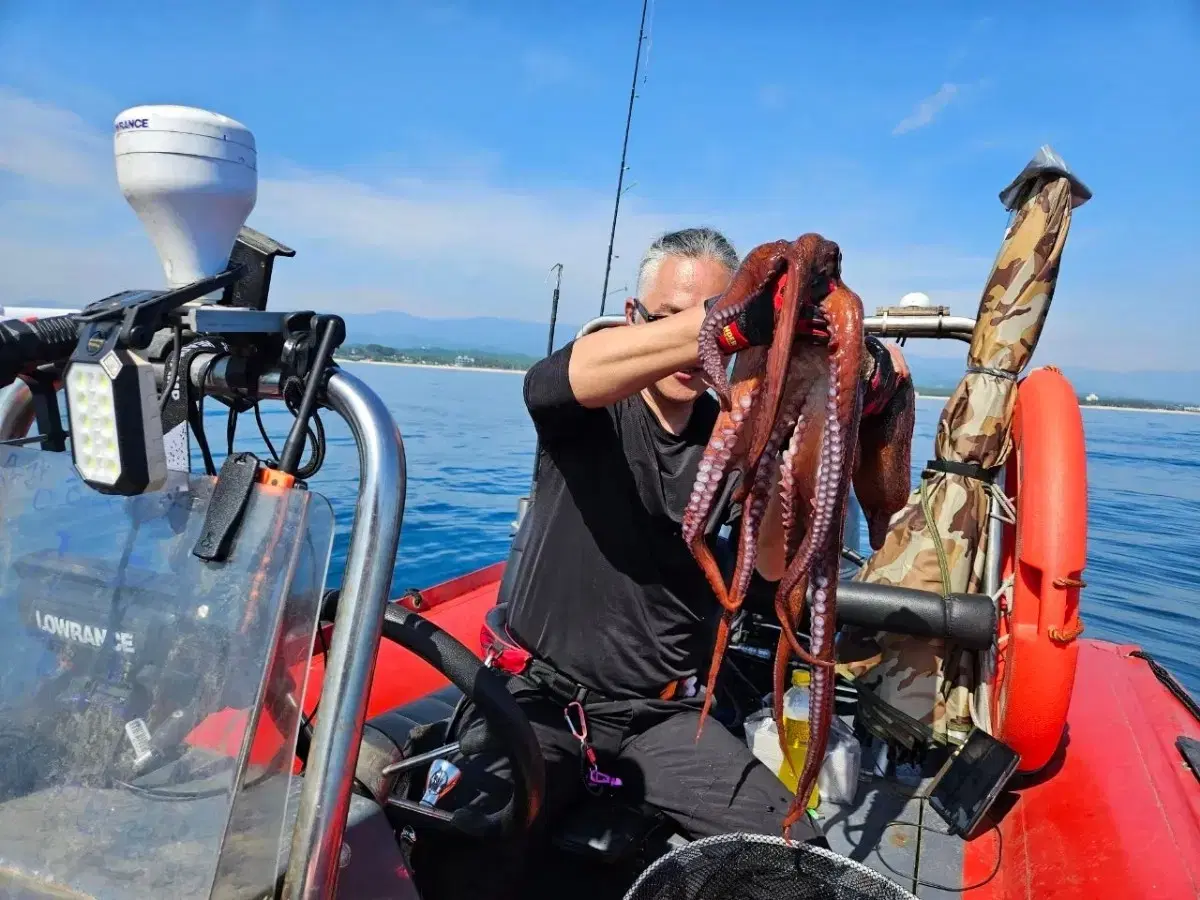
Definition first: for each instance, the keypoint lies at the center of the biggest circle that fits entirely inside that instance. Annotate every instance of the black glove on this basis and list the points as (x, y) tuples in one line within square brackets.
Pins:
[(755, 325)]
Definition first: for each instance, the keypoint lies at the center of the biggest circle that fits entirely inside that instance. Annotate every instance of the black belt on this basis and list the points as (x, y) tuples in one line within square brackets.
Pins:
[(566, 690), (967, 470), (563, 689)]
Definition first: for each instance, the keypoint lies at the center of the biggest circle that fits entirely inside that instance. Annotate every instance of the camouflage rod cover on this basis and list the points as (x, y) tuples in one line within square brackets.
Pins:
[(930, 679)]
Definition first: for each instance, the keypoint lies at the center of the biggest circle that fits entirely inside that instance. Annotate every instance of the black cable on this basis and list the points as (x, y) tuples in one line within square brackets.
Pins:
[(196, 412), (177, 356), (315, 437), (933, 884), (262, 430), (230, 429)]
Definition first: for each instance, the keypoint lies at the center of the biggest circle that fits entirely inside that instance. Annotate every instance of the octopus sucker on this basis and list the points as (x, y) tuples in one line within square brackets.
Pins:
[(790, 422)]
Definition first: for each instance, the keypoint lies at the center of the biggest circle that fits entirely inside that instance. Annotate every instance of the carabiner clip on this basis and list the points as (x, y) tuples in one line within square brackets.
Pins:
[(580, 733)]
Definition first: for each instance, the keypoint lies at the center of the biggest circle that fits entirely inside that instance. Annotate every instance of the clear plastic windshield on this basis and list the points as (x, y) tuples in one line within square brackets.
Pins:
[(149, 700)]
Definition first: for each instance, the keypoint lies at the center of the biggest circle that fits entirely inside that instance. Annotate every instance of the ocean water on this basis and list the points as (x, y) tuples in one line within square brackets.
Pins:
[(469, 448)]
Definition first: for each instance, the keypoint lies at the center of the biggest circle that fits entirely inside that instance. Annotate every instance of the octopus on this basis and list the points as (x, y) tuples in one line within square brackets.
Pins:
[(791, 421)]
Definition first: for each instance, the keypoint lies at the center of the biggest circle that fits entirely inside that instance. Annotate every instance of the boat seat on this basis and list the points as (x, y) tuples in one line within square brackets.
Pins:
[(601, 828)]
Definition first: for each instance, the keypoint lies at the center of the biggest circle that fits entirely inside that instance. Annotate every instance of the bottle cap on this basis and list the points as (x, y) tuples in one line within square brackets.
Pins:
[(801, 677)]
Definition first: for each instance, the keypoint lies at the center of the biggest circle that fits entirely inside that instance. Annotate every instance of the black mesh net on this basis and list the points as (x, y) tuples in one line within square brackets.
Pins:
[(760, 867)]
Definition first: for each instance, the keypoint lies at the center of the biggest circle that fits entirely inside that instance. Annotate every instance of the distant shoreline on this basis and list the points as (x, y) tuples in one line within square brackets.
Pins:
[(1141, 409), (940, 397), (381, 362)]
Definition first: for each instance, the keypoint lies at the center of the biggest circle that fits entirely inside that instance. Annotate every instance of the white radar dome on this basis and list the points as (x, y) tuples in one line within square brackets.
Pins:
[(916, 298), (192, 178)]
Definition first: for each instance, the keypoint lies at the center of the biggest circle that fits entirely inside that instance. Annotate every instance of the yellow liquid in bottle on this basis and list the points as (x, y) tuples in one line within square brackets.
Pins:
[(796, 734)]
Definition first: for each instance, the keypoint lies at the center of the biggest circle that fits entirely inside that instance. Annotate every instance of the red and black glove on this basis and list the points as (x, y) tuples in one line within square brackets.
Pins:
[(755, 325), (884, 378)]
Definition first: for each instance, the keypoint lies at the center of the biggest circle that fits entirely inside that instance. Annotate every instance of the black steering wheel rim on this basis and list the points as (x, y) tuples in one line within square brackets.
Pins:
[(486, 689)]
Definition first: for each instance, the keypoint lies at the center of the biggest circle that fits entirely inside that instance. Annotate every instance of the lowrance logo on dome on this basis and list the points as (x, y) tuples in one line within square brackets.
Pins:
[(127, 124), (70, 630)]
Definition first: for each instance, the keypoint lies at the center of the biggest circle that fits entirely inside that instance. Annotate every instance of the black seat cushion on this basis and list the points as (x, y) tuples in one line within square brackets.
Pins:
[(398, 723), (392, 735)]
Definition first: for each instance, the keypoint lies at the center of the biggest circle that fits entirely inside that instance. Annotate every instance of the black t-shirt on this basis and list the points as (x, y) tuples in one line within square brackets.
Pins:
[(607, 591)]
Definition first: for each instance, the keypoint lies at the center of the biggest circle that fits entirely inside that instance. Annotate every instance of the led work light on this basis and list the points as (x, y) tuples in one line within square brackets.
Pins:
[(116, 428)]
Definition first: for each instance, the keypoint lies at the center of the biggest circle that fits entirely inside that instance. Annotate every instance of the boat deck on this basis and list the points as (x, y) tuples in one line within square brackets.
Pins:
[(1115, 814)]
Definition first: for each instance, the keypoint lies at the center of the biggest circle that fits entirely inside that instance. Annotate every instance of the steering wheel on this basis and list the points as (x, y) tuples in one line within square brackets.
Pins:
[(505, 724)]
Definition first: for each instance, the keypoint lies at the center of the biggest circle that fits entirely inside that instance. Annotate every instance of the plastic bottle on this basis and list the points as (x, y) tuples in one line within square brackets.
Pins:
[(796, 732)]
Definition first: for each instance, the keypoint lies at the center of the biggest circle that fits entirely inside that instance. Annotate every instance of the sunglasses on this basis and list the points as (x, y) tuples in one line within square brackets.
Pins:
[(645, 314)]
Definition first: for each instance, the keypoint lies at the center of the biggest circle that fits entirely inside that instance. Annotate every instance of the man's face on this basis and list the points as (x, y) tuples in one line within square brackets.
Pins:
[(680, 284)]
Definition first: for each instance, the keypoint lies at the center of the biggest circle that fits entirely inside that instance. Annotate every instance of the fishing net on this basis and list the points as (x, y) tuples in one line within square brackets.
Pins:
[(760, 867)]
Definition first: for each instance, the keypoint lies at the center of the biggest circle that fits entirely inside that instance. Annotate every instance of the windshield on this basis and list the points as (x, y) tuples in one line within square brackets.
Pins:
[(149, 700)]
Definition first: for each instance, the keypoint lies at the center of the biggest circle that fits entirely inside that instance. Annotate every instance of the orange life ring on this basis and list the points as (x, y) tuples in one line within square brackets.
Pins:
[(1045, 554)]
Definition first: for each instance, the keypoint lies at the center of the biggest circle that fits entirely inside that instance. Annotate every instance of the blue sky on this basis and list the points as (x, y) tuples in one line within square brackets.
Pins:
[(440, 157)]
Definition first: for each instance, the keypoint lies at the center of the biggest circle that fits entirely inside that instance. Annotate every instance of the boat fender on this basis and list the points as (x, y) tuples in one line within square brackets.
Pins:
[(1044, 554)]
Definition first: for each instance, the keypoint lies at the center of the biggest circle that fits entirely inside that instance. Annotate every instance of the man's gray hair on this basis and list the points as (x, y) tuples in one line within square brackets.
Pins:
[(689, 243)]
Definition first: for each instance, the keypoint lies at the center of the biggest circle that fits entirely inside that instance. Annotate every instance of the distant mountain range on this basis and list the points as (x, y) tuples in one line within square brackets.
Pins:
[(508, 336)]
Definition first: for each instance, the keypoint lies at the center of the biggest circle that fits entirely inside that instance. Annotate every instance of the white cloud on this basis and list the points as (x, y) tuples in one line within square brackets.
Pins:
[(928, 109), (48, 145), (459, 242), (442, 242)]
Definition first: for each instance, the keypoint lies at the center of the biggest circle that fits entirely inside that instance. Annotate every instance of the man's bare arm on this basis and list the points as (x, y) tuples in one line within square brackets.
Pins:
[(615, 363)]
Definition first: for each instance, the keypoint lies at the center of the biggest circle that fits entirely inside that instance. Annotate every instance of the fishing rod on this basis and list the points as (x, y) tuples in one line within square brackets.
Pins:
[(537, 447), (624, 148), (524, 502), (554, 307)]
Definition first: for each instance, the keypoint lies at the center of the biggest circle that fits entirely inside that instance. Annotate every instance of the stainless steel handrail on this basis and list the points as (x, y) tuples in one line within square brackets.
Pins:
[(350, 665), (599, 323), (923, 325), (366, 587), (16, 411)]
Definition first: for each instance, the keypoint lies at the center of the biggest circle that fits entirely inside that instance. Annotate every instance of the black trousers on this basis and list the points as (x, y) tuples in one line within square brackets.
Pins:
[(708, 787)]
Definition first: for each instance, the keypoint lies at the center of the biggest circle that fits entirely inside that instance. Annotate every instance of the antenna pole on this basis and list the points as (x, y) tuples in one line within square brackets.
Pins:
[(624, 146)]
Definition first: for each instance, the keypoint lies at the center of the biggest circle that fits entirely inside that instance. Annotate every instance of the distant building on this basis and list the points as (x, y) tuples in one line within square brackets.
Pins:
[(1091, 398), (464, 360)]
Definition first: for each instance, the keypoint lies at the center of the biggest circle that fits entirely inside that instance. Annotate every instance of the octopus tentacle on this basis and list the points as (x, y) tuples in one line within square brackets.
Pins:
[(821, 687), (791, 477), (761, 266), (723, 456), (793, 411), (752, 515), (802, 256), (843, 410), (844, 314), (882, 477)]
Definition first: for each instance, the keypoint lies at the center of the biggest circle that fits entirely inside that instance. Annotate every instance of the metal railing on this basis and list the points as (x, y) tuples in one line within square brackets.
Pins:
[(366, 588)]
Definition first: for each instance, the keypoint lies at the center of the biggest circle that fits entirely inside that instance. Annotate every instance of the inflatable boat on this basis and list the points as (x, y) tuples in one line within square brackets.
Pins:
[(187, 711)]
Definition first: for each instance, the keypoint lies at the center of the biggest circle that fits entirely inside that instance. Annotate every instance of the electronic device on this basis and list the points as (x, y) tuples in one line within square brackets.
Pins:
[(970, 781), (192, 178)]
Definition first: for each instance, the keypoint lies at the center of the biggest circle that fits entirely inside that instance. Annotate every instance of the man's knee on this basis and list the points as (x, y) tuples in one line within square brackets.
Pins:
[(712, 786)]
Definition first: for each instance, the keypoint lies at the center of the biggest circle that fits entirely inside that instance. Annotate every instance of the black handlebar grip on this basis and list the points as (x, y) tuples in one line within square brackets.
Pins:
[(27, 344)]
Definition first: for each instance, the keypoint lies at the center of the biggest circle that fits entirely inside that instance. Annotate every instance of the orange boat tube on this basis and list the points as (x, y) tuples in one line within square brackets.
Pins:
[(1045, 555)]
